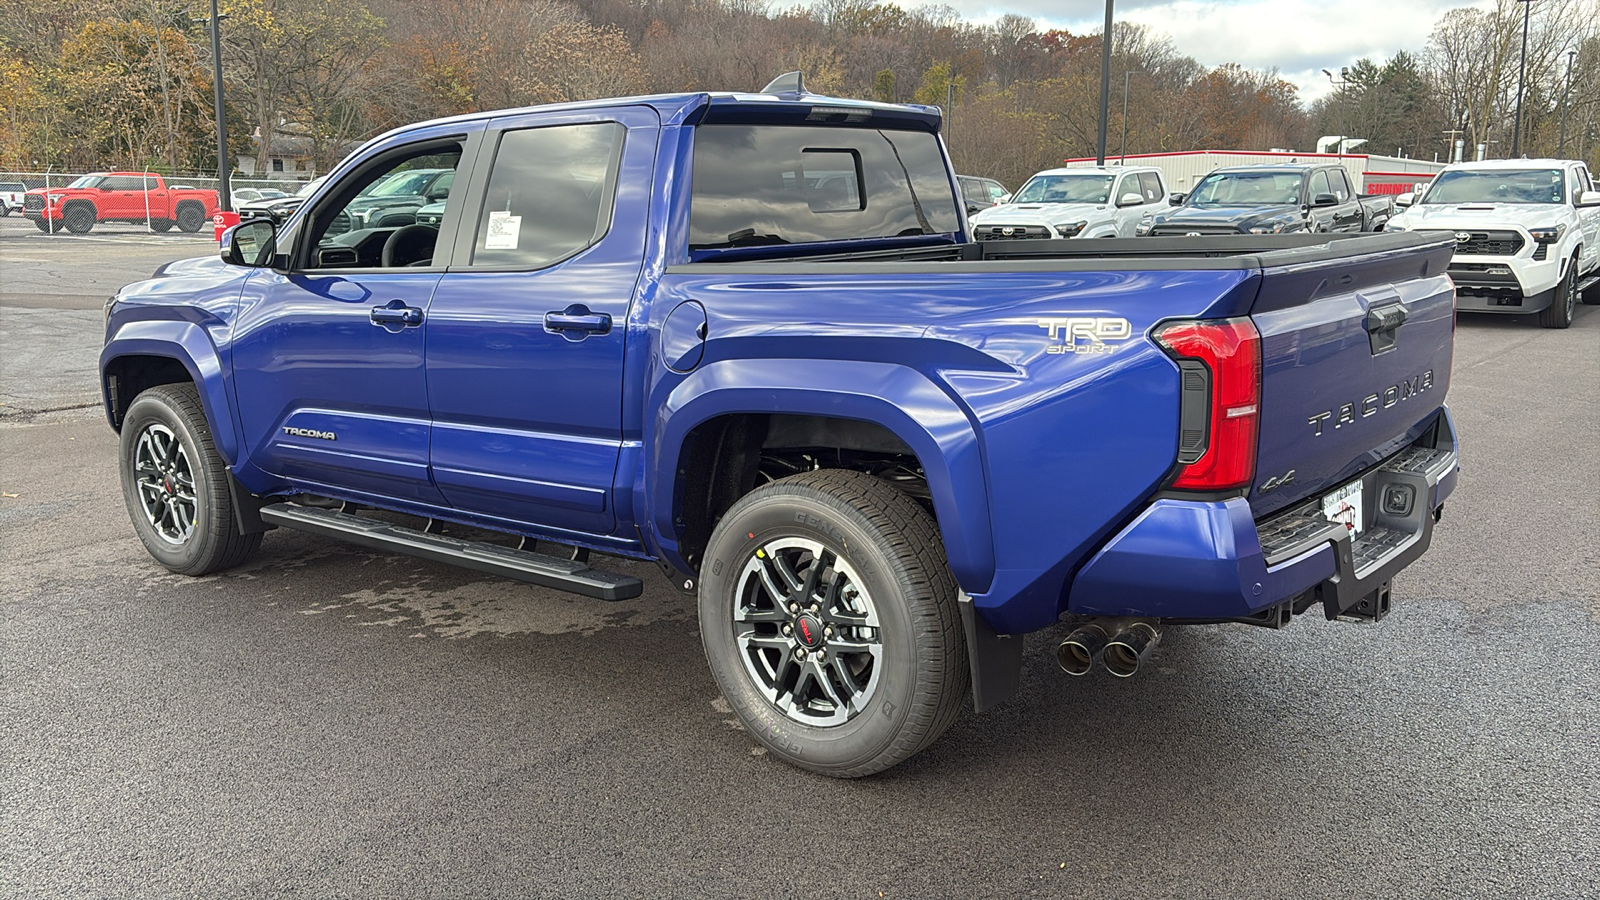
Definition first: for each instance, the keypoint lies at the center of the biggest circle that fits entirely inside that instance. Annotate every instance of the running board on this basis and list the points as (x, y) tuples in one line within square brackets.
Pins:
[(534, 568)]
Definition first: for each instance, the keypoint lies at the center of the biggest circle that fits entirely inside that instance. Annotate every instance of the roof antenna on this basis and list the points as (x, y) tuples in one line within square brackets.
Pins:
[(787, 83)]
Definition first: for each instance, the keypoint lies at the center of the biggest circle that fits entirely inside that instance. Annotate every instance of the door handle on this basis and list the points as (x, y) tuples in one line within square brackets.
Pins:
[(396, 312), (576, 322)]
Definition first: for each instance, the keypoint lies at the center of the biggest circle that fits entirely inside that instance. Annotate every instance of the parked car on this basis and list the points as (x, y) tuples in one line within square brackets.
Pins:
[(138, 197), (11, 197), (394, 201), (980, 193), (242, 196), (1527, 235), (279, 208), (877, 452), (1102, 201), (1281, 198)]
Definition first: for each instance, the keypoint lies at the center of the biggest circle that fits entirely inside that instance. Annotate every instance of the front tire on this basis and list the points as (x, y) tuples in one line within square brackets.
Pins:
[(175, 484), (1561, 309), (829, 619), (79, 218), (161, 226)]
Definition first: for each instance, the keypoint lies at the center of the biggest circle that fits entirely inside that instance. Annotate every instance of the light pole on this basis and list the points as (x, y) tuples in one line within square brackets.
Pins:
[(1124, 153), (1105, 86), (1522, 75), (224, 195), (1339, 85), (1564, 95)]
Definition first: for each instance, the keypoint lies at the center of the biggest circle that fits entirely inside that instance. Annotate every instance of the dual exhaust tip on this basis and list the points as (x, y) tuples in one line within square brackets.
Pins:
[(1123, 647)]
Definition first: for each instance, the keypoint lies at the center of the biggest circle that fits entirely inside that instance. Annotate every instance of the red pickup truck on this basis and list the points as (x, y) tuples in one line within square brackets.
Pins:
[(136, 197)]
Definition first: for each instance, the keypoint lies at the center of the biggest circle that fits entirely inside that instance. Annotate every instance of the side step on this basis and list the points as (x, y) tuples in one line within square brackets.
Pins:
[(534, 568)]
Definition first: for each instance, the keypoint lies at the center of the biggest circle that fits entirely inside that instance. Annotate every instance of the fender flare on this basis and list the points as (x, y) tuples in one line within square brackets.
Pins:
[(901, 399), (189, 344)]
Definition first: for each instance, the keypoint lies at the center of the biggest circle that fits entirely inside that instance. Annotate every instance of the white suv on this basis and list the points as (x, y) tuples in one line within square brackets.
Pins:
[(1527, 234), (1100, 201)]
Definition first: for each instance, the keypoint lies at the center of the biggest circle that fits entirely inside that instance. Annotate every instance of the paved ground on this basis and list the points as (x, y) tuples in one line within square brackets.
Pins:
[(329, 722)]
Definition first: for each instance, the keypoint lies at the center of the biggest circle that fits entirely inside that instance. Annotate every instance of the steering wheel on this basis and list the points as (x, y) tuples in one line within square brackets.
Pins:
[(410, 245)]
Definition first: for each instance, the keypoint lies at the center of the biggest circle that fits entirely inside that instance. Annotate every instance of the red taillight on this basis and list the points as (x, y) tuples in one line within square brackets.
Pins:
[(1230, 352)]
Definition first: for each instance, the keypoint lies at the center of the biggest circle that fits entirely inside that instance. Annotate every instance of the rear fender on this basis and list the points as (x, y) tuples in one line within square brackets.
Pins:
[(188, 344), (900, 399)]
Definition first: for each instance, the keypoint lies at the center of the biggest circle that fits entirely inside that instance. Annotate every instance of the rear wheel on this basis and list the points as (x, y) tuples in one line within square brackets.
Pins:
[(79, 218), (190, 217), (175, 485), (829, 618), (1562, 307)]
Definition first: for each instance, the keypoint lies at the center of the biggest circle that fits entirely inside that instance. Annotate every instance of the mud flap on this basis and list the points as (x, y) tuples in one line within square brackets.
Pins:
[(995, 659)]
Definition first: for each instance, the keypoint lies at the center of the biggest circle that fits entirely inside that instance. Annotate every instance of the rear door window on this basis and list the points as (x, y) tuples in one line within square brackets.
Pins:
[(1150, 186), (549, 195), (767, 185)]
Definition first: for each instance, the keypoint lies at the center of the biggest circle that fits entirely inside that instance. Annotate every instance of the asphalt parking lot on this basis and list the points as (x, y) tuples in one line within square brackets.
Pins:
[(331, 722)]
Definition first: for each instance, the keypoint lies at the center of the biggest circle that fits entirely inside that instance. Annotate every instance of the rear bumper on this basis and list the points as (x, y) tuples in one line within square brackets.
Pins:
[(1211, 561)]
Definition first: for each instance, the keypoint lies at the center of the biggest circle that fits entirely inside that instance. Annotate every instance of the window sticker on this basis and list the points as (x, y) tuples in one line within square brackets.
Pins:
[(503, 231)]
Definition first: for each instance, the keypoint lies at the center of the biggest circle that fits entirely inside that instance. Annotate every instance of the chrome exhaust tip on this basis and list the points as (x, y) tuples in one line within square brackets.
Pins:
[(1082, 647), (1125, 652)]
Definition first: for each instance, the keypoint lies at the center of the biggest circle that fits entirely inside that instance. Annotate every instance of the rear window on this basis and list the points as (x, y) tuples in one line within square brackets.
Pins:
[(9, 186), (765, 185)]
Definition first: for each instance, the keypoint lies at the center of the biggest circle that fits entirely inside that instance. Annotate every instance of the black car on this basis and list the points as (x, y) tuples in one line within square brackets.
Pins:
[(980, 193), (279, 208)]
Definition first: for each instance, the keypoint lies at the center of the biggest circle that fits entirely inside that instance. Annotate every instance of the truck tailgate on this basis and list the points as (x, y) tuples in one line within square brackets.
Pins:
[(1355, 355)]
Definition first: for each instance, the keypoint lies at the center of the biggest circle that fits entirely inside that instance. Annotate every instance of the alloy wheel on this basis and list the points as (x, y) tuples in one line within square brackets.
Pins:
[(807, 631), (165, 481)]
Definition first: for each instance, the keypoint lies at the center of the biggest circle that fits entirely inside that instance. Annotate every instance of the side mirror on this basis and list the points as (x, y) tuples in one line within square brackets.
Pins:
[(1401, 201), (1177, 199), (1589, 198), (1004, 198), (250, 244), (1324, 200), (973, 208), (1130, 199)]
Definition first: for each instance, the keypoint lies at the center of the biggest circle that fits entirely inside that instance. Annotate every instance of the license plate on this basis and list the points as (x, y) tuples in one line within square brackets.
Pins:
[(1344, 506)]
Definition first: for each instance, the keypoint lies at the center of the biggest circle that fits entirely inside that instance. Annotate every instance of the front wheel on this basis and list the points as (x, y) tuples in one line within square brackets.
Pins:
[(175, 485), (829, 618), (79, 218), (1562, 306)]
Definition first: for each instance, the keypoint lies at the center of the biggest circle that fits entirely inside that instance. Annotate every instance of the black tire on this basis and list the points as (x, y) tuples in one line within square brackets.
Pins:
[(171, 473), (161, 226), (79, 218), (863, 697), (191, 217), (1561, 309), (43, 225), (5, 210)]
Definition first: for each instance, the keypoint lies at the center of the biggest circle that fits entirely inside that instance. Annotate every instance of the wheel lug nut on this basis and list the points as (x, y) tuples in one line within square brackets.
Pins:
[(794, 607), (828, 631), (800, 653), (815, 608), (788, 630), (822, 653)]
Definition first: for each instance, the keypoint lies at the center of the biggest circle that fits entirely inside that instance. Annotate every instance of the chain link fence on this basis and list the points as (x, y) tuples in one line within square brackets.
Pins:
[(243, 188)]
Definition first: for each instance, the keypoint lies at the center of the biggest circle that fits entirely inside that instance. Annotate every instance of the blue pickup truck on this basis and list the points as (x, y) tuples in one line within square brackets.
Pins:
[(746, 336)]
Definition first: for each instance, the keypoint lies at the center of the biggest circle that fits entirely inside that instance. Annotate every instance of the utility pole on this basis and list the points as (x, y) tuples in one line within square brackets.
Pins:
[(1339, 85), (1124, 153), (1105, 86), (1522, 76), (1564, 95), (224, 195)]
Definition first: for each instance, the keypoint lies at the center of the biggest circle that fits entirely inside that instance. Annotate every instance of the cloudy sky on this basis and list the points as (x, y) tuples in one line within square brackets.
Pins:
[(1299, 37)]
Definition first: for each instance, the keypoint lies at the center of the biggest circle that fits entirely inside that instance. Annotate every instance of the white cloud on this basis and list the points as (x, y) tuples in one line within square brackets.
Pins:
[(1298, 37)]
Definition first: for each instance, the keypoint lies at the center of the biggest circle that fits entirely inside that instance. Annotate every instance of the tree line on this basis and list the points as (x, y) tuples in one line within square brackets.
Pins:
[(126, 83)]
